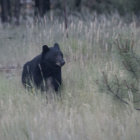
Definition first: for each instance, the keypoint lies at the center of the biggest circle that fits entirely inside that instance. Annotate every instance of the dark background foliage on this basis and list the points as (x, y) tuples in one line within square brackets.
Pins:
[(11, 10)]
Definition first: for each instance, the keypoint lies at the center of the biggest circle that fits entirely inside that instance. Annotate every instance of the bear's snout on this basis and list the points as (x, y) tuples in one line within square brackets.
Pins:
[(62, 63)]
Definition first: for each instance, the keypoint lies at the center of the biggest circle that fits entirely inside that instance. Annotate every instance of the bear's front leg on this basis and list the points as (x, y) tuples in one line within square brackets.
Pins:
[(57, 81), (56, 84)]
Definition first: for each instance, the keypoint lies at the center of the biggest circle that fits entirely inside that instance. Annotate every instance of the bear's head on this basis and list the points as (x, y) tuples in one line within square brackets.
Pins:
[(52, 55)]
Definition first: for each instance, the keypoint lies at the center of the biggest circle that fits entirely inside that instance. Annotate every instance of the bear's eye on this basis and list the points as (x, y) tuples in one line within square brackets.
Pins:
[(56, 55)]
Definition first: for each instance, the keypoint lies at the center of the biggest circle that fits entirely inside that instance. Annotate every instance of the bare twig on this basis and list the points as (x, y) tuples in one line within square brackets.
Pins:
[(117, 84), (66, 19)]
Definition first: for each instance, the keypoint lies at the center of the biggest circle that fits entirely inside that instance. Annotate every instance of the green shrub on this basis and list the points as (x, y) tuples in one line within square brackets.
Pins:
[(125, 88)]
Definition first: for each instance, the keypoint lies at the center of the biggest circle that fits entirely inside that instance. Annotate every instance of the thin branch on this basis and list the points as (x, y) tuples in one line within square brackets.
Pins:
[(66, 19), (117, 84)]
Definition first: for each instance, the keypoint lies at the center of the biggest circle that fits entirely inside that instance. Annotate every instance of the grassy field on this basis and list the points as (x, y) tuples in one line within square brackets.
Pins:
[(84, 112)]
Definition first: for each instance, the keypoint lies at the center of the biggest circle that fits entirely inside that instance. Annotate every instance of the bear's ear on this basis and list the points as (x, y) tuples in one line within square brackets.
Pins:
[(56, 45), (45, 49)]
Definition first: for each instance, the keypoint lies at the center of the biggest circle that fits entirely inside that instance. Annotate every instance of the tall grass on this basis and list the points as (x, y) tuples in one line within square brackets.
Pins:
[(83, 112)]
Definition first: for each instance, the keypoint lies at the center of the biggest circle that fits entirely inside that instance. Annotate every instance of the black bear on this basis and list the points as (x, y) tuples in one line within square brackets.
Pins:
[(44, 70)]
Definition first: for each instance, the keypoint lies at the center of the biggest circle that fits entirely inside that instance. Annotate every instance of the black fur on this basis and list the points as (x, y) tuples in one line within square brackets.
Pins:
[(44, 68)]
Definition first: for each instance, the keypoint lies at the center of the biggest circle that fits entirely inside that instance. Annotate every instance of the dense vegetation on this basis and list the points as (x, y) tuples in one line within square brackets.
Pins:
[(101, 80)]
